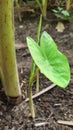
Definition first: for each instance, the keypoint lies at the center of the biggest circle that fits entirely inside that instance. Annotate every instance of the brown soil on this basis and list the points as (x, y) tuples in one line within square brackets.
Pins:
[(54, 105)]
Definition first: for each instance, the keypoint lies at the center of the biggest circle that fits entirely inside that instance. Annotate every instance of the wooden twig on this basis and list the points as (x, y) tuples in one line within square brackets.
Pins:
[(40, 124), (41, 92), (70, 123), (19, 46), (36, 95)]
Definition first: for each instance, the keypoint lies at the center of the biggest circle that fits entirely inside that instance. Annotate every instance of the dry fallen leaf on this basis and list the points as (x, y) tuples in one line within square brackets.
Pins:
[(20, 46), (60, 27), (70, 123)]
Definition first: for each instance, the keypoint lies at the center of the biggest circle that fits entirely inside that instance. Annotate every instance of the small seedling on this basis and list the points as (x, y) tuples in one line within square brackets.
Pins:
[(62, 14), (50, 61)]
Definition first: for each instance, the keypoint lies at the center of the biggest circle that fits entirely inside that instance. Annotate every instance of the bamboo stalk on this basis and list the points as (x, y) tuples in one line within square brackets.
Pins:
[(7, 50), (68, 5)]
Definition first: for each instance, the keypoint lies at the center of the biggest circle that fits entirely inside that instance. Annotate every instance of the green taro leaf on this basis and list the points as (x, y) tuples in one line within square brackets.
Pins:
[(51, 62), (65, 13)]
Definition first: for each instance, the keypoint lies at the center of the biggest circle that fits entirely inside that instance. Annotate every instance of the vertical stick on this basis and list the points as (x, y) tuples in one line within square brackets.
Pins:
[(7, 50), (68, 5)]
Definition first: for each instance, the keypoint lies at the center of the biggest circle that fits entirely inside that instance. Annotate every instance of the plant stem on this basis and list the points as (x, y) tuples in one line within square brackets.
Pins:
[(7, 50), (29, 89), (34, 72), (31, 105), (39, 4), (38, 40), (44, 8), (37, 82), (18, 10), (68, 5)]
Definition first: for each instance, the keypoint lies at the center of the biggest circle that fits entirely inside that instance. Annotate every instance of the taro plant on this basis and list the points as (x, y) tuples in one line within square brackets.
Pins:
[(8, 67), (50, 61), (62, 14), (43, 7)]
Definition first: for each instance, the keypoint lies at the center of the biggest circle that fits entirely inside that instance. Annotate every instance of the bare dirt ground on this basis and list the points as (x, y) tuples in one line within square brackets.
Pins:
[(54, 105)]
